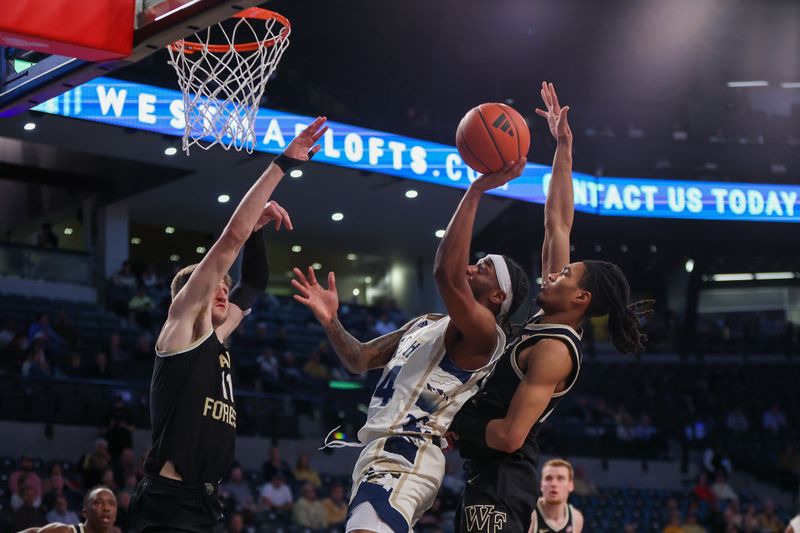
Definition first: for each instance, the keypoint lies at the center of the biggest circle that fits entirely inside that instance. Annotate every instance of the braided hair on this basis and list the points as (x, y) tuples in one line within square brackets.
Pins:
[(610, 295), (520, 288)]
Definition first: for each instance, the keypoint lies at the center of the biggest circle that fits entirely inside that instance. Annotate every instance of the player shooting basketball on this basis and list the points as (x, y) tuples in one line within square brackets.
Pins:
[(497, 428), (191, 396), (432, 365)]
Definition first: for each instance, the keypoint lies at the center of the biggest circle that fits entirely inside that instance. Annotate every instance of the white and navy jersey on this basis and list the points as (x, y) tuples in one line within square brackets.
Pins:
[(421, 388), (540, 524), (494, 399), (77, 528)]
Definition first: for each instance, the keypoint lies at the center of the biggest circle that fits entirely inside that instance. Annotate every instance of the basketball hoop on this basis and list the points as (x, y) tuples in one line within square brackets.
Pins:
[(223, 81)]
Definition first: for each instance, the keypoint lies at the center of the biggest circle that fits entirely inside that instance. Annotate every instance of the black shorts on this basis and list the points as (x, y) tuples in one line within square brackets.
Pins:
[(499, 497), (160, 504)]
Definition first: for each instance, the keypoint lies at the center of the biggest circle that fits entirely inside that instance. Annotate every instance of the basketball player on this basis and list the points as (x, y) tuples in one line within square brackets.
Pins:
[(432, 365), (497, 428), (191, 396), (553, 514), (100, 510)]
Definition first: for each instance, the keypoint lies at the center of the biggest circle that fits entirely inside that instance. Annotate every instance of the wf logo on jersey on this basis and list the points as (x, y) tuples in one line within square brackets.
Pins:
[(484, 518), (503, 124)]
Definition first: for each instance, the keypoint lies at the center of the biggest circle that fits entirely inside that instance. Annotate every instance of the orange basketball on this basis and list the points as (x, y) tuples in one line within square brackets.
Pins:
[(490, 135)]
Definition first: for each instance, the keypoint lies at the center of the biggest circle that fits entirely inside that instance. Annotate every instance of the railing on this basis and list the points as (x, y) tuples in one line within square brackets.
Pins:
[(31, 262)]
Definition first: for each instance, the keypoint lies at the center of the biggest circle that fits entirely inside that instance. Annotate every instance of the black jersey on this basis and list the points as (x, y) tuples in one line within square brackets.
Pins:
[(495, 397), (539, 523), (192, 411)]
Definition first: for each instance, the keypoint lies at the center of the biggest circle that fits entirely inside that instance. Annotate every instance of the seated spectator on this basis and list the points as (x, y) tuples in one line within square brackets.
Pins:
[(384, 325), (701, 489), (289, 367), (61, 512), (750, 519), (118, 423), (150, 279), (691, 525), (126, 467), (56, 473), (716, 460), (336, 507), (768, 520), (144, 349), (274, 464), (92, 465), (7, 333), (129, 485), (722, 490), (36, 364), (107, 479), (124, 277), (583, 485), (269, 365), (115, 350), (46, 238), (57, 488), (674, 523), (25, 470), (276, 494), (41, 329), (737, 421), (75, 366), (100, 368), (304, 472), (773, 419), (141, 308), (314, 368), (236, 523), (238, 491), (64, 328), (28, 513), (123, 510), (308, 511)]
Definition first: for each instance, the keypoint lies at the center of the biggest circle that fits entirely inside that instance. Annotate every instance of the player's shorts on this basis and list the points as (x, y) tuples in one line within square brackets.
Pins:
[(160, 504), (399, 477), (499, 497)]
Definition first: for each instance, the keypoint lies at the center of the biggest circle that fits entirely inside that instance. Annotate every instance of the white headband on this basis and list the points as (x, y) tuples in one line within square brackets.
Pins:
[(504, 280)]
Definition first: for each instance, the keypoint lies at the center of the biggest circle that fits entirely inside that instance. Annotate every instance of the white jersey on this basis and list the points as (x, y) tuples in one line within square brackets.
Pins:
[(421, 388)]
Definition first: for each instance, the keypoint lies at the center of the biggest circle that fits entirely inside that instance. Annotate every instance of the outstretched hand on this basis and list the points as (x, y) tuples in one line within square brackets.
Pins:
[(323, 302), (556, 115), (510, 171), (302, 147), (273, 211)]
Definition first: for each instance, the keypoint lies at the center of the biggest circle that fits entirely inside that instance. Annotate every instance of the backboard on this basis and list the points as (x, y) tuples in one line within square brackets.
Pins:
[(28, 78)]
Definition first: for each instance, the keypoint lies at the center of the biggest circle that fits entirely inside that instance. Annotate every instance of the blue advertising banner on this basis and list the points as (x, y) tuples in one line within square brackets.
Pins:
[(133, 105)]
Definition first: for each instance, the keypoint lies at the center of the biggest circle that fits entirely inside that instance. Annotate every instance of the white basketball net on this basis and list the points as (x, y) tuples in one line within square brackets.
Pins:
[(222, 87)]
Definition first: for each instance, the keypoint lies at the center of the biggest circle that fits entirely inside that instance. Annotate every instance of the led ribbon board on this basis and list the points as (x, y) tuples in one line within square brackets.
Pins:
[(133, 105)]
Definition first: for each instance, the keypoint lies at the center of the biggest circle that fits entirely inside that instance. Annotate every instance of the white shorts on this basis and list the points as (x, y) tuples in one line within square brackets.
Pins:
[(399, 477)]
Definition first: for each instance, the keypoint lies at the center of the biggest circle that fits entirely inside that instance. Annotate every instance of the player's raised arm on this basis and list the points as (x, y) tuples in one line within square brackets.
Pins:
[(559, 209), (192, 300), (474, 321), (356, 356)]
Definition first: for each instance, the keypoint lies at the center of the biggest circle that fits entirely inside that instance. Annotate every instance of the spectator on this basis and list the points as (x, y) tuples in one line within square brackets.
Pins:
[(701, 489), (767, 520), (750, 520), (123, 507), (100, 369), (41, 329), (269, 365), (115, 350), (276, 494), (126, 467), (119, 428), (15, 352), (774, 420), (384, 325), (453, 481), (150, 279), (289, 367), (8, 333), (75, 367), (737, 421), (141, 308), (238, 491), (25, 470), (129, 485), (46, 238), (336, 507), (65, 329), (94, 463), (304, 472), (314, 368), (29, 513), (722, 490), (58, 487), (715, 461), (124, 277), (674, 523), (583, 485), (691, 525), (308, 511), (275, 464), (61, 512), (107, 479), (36, 364), (144, 350)]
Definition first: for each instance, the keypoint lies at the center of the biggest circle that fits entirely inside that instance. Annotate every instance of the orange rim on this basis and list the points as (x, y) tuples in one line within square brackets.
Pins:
[(189, 47)]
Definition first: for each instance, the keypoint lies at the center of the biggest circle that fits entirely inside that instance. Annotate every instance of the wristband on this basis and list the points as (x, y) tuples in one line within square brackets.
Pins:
[(284, 162)]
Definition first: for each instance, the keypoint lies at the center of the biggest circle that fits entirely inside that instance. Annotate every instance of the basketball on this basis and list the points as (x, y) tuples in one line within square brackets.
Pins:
[(490, 135)]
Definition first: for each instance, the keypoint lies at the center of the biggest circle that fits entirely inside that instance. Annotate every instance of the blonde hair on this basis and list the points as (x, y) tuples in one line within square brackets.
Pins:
[(560, 462), (183, 276)]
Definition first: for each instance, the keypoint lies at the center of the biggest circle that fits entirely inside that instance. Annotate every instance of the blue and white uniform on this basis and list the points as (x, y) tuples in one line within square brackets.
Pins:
[(400, 469)]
